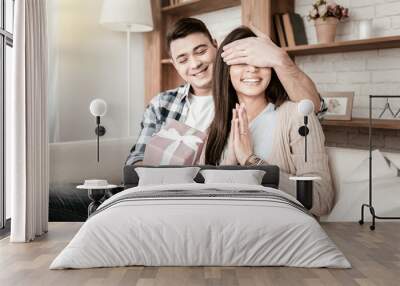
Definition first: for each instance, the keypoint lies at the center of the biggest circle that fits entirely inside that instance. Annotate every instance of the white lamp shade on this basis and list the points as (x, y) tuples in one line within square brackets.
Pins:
[(98, 107), (305, 107), (127, 15)]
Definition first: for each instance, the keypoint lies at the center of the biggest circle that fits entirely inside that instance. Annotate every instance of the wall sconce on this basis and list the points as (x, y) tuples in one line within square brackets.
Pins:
[(98, 108)]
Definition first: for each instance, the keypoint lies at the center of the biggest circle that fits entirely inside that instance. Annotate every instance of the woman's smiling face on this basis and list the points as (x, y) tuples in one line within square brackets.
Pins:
[(249, 80)]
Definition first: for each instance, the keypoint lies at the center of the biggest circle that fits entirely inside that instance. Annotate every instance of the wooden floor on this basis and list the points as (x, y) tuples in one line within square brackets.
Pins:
[(375, 257)]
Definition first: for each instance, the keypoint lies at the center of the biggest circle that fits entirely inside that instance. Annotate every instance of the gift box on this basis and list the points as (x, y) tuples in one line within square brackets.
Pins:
[(175, 144)]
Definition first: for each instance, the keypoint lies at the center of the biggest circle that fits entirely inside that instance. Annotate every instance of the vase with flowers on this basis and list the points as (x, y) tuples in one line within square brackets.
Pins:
[(326, 16)]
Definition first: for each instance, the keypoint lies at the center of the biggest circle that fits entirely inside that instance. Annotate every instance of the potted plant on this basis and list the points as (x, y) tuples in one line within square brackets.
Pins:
[(326, 16)]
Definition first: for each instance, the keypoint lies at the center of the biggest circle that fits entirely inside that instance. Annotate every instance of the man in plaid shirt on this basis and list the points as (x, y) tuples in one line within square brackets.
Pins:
[(193, 51)]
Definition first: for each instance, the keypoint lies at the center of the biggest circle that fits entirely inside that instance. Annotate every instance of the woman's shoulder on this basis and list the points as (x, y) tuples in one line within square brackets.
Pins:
[(288, 107)]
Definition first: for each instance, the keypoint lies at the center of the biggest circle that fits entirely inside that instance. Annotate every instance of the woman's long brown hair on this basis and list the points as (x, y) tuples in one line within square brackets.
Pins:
[(225, 98)]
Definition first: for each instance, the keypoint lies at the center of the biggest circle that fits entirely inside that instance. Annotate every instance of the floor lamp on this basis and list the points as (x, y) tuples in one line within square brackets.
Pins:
[(127, 16)]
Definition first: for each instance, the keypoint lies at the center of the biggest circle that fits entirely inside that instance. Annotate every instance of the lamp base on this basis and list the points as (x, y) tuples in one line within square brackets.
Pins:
[(304, 193), (304, 190), (100, 130)]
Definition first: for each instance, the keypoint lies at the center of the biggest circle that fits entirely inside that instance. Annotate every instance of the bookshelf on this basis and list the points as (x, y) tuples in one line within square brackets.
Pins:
[(345, 46), (188, 8), (364, 123), (161, 75)]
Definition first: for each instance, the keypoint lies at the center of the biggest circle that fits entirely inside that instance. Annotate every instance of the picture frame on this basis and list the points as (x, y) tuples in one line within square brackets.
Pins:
[(340, 105)]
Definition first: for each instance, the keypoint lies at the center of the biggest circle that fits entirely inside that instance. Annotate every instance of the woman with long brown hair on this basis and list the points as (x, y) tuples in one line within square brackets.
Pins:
[(255, 123)]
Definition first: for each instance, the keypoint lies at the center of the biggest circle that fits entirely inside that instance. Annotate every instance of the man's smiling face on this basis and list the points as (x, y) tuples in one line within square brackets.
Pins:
[(193, 57)]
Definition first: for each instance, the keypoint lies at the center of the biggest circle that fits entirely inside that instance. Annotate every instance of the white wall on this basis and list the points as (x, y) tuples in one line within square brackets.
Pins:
[(221, 22), (87, 61), (367, 72)]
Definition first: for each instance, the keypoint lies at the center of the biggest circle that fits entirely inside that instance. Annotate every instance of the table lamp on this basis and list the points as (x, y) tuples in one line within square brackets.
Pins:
[(127, 16)]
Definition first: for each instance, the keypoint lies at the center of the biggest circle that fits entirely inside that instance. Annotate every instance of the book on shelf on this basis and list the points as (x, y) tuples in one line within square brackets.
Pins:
[(166, 3), (173, 2), (295, 31), (280, 32), (176, 2)]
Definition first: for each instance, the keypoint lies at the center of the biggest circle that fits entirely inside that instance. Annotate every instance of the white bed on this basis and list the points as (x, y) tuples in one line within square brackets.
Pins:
[(185, 230)]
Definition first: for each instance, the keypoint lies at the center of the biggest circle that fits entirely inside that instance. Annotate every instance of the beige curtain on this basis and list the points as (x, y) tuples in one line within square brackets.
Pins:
[(27, 138)]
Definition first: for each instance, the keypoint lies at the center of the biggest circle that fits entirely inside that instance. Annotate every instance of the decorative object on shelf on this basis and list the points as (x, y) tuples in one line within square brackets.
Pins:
[(389, 108), (365, 29), (127, 16), (326, 16), (370, 203), (98, 108), (96, 192), (340, 105)]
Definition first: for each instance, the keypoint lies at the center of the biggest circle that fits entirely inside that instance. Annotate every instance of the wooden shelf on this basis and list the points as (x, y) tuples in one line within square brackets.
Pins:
[(346, 46), (166, 61), (194, 7), (364, 123)]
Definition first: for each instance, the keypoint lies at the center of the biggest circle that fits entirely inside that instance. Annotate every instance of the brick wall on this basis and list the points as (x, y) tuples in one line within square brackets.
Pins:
[(221, 22), (367, 72)]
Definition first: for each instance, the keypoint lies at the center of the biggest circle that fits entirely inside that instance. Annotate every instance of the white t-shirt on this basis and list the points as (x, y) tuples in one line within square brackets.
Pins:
[(262, 131), (201, 112)]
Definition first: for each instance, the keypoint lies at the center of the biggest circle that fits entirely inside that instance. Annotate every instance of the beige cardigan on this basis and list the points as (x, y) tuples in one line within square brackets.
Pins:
[(288, 155)]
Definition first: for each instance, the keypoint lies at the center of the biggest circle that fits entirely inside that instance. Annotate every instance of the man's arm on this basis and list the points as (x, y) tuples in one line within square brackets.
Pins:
[(261, 51), (296, 83), (148, 127)]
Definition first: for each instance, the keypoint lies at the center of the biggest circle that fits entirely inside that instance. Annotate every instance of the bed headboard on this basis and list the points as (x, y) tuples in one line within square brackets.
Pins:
[(270, 179)]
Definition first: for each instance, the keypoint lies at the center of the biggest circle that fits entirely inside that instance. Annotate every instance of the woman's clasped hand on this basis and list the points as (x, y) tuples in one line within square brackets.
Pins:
[(240, 145)]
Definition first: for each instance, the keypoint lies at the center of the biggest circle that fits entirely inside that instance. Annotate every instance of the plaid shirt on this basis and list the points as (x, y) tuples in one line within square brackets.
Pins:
[(174, 104)]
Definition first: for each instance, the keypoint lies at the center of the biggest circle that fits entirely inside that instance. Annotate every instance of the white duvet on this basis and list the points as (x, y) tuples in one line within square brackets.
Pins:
[(200, 231)]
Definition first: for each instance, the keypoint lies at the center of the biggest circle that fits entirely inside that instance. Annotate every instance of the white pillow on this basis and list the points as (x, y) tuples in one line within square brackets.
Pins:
[(248, 177), (166, 176)]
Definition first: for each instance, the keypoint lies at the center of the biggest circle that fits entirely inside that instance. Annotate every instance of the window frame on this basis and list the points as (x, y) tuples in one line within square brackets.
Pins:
[(6, 39)]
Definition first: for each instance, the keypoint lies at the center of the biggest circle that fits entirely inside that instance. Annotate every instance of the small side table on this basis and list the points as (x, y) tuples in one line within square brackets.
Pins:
[(304, 190), (96, 194)]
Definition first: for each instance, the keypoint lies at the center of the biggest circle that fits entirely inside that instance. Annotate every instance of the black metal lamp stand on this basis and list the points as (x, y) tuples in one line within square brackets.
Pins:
[(100, 131), (304, 185), (303, 131), (370, 205)]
